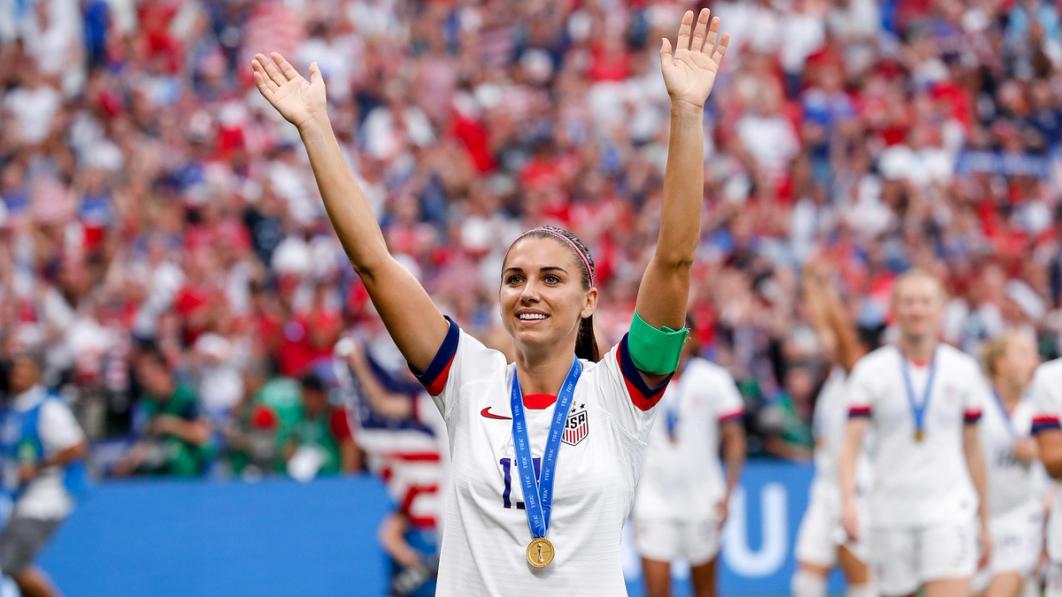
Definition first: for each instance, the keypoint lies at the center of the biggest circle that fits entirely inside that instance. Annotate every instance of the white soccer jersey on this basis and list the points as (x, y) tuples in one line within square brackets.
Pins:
[(829, 424), (918, 484), (682, 478), (485, 529), (1047, 403), (1011, 484)]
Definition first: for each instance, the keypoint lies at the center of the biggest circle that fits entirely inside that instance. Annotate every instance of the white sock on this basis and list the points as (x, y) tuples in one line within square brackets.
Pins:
[(866, 590), (808, 584)]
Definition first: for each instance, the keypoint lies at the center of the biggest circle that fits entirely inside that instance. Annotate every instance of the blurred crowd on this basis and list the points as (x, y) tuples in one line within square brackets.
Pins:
[(162, 241)]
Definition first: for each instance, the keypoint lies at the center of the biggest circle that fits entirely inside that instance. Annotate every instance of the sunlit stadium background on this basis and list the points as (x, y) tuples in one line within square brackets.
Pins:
[(153, 204)]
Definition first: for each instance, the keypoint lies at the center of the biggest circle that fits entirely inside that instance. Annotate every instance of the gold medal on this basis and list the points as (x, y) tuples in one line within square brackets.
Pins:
[(919, 435), (540, 552)]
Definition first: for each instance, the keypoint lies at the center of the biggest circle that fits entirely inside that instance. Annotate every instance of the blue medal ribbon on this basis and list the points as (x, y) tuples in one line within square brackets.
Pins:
[(1003, 412), (538, 494), (918, 410), (672, 404)]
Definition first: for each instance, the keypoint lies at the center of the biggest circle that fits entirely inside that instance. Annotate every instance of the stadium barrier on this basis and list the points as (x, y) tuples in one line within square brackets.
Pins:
[(279, 537)]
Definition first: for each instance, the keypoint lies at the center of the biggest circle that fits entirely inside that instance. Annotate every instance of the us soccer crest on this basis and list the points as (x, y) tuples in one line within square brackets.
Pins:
[(576, 428)]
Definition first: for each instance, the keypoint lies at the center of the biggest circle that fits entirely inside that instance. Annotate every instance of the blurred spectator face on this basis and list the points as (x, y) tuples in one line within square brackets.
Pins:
[(1018, 361), (917, 305), (542, 296), (24, 374), (799, 384), (155, 377), (314, 400)]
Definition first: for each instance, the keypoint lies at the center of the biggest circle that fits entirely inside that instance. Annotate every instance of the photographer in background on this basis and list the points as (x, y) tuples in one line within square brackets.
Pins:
[(42, 448)]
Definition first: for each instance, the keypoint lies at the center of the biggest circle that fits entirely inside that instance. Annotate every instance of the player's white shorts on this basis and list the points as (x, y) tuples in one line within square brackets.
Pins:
[(1054, 580), (904, 559), (1017, 540), (667, 540), (821, 532)]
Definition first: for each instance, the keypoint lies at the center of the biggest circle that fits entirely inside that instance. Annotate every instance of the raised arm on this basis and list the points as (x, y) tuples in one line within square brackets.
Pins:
[(689, 73), (831, 319), (415, 324)]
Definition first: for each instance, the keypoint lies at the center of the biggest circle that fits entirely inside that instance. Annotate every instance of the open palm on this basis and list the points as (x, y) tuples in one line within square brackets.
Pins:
[(690, 70), (297, 100)]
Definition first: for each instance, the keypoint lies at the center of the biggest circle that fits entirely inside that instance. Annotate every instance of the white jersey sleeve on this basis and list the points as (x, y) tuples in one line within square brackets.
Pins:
[(1047, 397), (616, 376), (59, 430), (725, 399), (861, 393), (977, 398), (460, 360)]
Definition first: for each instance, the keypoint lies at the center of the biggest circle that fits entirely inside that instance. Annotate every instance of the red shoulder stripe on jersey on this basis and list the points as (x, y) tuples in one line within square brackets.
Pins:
[(858, 411), (971, 415), (643, 396), (731, 416), (434, 378), (1041, 423)]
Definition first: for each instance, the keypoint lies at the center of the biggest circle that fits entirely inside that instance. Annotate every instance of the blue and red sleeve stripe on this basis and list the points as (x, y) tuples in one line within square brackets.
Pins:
[(858, 411), (643, 396), (434, 377), (1041, 423), (971, 416), (730, 417)]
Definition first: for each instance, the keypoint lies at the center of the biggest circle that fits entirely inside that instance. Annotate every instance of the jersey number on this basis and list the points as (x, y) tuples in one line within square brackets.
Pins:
[(509, 469)]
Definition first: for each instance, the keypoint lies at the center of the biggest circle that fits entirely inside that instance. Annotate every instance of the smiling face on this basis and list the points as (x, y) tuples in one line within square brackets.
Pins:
[(543, 295), (917, 303), (1018, 361)]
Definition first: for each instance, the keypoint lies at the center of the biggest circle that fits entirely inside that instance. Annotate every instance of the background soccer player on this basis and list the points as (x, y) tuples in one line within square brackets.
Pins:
[(821, 541), (1015, 479), (683, 495), (922, 400), (1047, 400)]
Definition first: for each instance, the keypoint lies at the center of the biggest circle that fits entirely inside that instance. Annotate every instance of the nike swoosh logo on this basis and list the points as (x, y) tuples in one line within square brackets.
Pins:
[(486, 413)]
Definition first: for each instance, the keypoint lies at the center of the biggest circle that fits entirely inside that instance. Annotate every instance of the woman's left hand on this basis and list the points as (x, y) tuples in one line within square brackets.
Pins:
[(690, 69)]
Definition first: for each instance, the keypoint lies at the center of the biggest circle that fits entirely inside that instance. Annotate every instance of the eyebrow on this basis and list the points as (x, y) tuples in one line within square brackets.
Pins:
[(545, 268)]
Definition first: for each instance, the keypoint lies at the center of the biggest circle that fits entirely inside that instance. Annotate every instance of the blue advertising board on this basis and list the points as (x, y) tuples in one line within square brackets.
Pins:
[(279, 537)]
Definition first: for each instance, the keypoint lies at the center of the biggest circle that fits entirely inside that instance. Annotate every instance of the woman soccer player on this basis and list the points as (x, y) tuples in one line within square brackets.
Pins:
[(1016, 482), (525, 515), (683, 496), (928, 510), (821, 541)]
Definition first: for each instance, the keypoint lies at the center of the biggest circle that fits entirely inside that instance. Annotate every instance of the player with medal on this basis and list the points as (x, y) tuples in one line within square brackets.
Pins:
[(572, 431), (684, 494), (1016, 481), (922, 399)]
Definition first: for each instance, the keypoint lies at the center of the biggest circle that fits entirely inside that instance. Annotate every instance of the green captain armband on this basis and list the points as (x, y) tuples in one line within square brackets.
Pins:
[(655, 350)]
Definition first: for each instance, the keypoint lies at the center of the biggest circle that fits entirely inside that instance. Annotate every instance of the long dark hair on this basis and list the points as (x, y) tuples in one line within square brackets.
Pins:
[(585, 342)]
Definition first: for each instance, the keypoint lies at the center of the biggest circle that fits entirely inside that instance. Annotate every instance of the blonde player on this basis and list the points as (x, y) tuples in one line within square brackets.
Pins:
[(683, 496), (821, 541), (545, 451), (922, 400), (1047, 404), (1015, 479)]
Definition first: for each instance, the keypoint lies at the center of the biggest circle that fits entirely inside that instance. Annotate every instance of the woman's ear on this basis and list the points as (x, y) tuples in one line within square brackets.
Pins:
[(591, 303)]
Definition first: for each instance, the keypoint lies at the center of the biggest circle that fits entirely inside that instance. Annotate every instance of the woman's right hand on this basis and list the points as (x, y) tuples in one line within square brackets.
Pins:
[(850, 520), (299, 101)]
